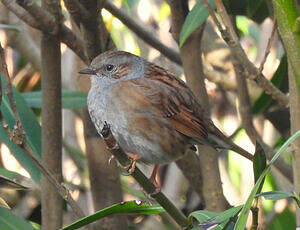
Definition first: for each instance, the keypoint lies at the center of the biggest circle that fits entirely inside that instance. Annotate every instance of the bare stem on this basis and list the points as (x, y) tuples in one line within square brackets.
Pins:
[(251, 72), (254, 210), (268, 48), (20, 140)]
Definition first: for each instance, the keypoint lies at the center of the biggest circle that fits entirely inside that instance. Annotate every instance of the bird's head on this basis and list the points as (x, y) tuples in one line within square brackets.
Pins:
[(115, 65)]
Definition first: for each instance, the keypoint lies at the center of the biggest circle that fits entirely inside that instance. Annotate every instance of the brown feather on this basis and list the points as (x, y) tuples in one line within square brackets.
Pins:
[(165, 95)]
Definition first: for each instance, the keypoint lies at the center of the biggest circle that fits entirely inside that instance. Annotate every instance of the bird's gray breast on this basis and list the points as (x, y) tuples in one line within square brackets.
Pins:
[(97, 104), (104, 107)]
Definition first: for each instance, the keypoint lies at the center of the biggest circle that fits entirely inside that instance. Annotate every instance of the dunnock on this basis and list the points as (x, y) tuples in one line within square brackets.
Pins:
[(153, 115)]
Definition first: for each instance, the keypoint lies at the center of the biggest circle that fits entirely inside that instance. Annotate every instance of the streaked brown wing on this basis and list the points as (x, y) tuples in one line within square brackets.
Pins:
[(166, 97)]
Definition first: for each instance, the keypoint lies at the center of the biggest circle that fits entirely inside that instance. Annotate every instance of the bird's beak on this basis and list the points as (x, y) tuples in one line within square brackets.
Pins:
[(88, 70)]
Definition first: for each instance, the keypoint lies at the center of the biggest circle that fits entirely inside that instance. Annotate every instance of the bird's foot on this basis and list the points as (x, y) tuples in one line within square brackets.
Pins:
[(134, 158), (111, 158), (155, 181)]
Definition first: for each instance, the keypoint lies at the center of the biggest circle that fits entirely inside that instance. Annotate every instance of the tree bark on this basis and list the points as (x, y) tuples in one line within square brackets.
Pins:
[(295, 126), (287, 15), (51, 123)]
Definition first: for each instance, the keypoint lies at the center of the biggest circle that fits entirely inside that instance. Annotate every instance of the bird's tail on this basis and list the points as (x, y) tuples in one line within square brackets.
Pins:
[(220, 141)]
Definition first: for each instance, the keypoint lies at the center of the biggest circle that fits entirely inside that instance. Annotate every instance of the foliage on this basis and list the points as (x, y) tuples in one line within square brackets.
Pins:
[(70, 99), (194, 20), (32, 129), (244, 15), (10, 221), (133, 207)]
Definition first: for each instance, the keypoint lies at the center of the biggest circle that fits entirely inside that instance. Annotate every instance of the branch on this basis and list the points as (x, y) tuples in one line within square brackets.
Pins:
[(267, 51), (18, 137), (76, 44), (244, 107), (21, 13), (89, 27), (138, 175), (246, 117), (64, 33), (141, 32), (254, 210), (251, 72), (52, 203), (77, 11)]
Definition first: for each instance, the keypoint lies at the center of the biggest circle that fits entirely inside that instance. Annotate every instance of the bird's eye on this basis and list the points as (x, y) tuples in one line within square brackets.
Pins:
[(109, 67)]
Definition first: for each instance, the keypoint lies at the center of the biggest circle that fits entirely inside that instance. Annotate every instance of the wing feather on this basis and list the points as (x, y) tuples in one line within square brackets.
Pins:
[(163, 94)]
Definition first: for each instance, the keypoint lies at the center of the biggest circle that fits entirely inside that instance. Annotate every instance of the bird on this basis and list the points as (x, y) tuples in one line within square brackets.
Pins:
[(153, 115)]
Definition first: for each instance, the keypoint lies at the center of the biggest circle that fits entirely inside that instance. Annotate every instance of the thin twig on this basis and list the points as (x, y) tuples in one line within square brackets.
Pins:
[(139, 176), (268, 48), (21, 13), (244, 107), (65, 34), (144, 34), (18, 136), (254, 210), (90, 27), (230, 37), (77, 10)]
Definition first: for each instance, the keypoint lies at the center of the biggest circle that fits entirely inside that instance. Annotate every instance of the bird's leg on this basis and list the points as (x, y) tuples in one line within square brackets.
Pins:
[(153, 179), (111, 158), (134, 158)]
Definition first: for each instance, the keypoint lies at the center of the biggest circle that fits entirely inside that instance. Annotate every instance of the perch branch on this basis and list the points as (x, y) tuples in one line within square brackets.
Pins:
[(138, 175), (251, 72), (18, 136)]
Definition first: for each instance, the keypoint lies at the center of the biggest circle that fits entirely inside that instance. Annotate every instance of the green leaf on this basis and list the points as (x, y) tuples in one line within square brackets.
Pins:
[(135, 207), (10, 184), (10, 221), (13, 180), (241, 222), (257, 10), (259, 163), (70, 99), (32, 129), (209, 219), (264, 101), (195, 19), (9, 27), (276, 195)]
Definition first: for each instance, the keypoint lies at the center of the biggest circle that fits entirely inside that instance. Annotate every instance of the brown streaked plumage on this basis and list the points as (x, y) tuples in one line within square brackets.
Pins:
[(151, 112)]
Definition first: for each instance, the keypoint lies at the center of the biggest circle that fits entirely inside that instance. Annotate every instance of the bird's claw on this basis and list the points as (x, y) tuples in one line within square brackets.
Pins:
[(112, 157)]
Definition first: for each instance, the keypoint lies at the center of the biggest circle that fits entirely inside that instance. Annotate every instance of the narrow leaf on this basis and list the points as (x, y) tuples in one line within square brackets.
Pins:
[(136, 207), (241, 222), (70, 99), (32, 129), (276, 195), (9, 27), (259, 163), (10, 184), (13, 180), (209, 219), (10, 221), (194, 20), (264, 101)]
